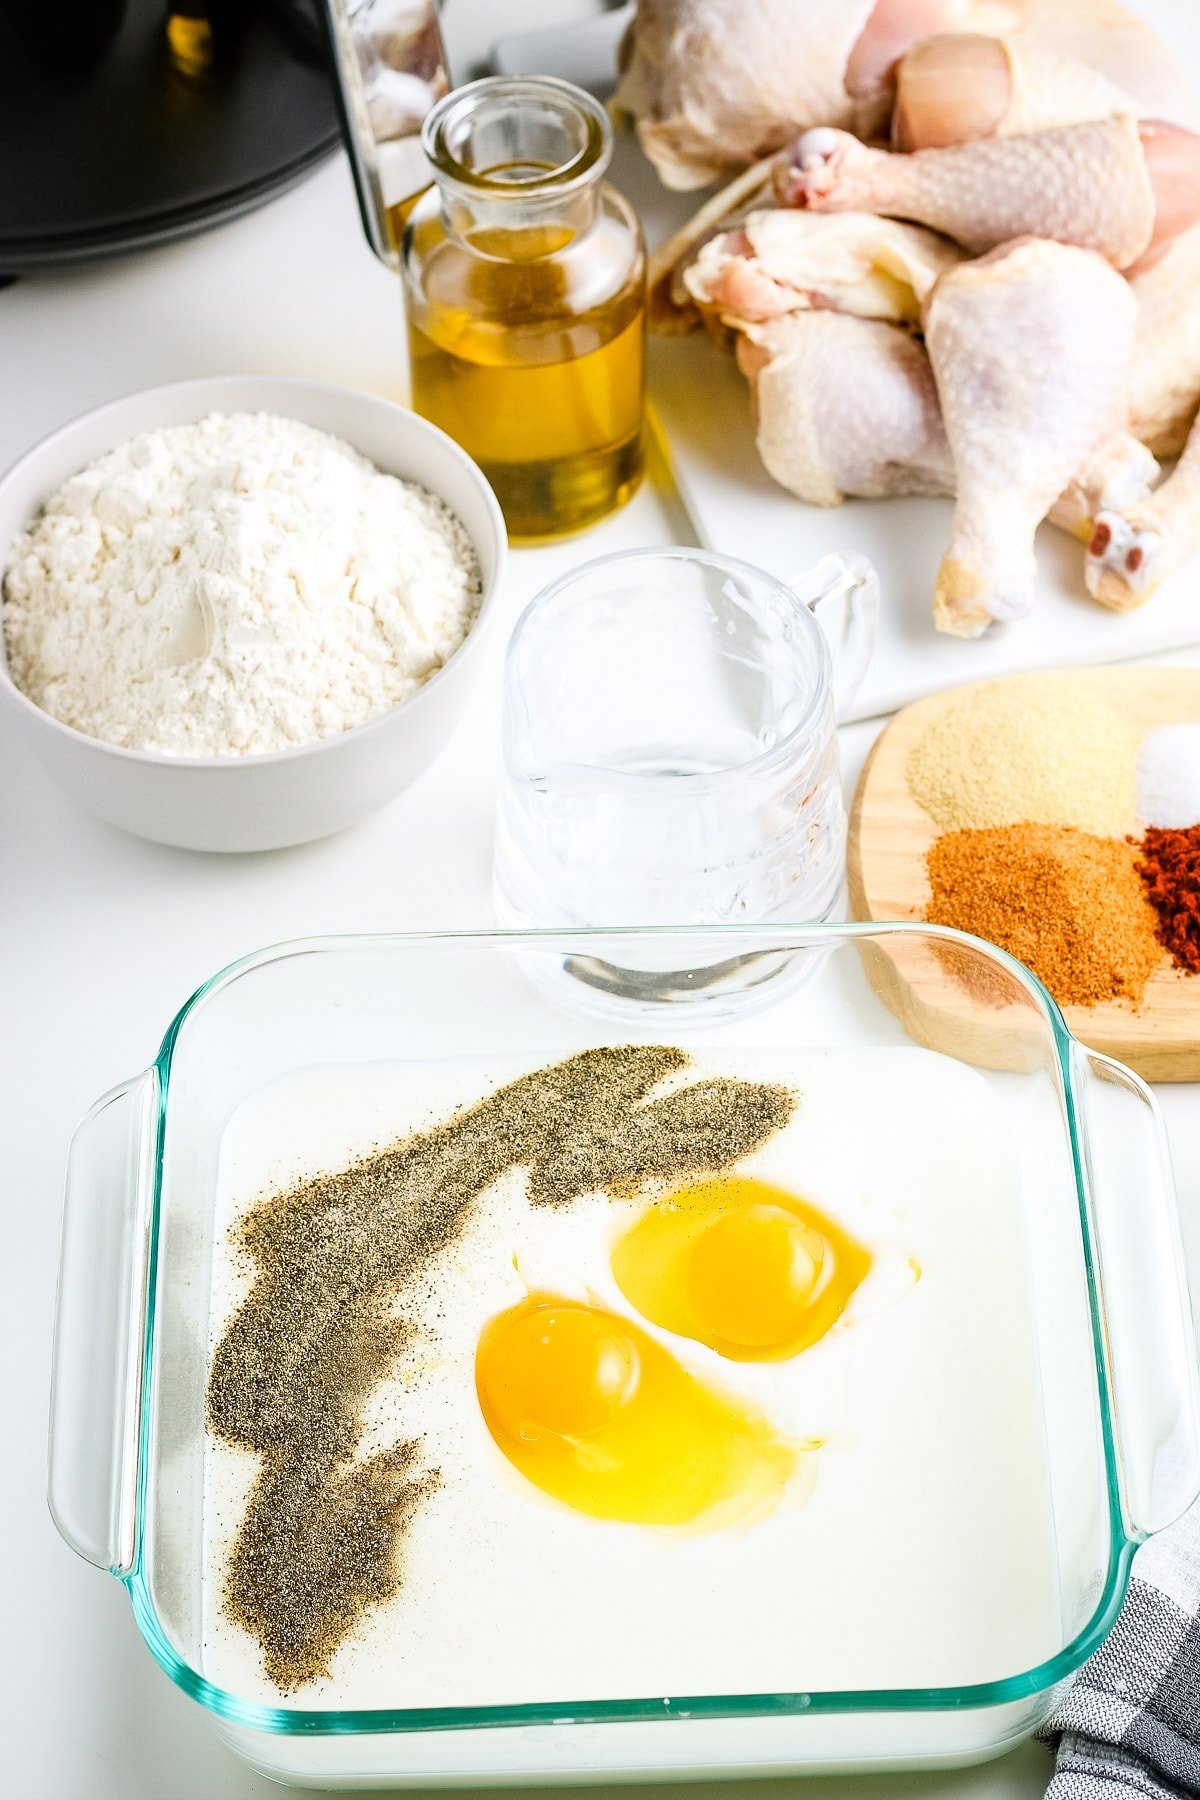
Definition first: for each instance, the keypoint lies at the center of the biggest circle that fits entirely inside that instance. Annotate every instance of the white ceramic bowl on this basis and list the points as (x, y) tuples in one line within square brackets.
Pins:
[(287, 796)]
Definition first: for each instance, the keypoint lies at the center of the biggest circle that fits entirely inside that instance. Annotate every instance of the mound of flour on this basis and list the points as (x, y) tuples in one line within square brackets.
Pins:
[(245, 584)]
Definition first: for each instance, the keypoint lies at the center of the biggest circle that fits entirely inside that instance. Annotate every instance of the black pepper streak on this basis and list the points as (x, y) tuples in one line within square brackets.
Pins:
[(319, 1542)]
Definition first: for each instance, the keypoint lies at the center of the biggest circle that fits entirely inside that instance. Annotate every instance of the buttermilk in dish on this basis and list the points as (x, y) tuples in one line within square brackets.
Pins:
[(640, 1373)]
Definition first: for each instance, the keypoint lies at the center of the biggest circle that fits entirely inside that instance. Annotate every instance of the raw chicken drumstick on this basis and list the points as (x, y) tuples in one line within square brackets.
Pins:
[(1113, 185), (1135, 548), (716, 84), (848, 405), (1030, 348), (842, 410)]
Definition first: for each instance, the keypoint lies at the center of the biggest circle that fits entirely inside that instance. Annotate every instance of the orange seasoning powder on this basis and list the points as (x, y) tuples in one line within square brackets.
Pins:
[(1068, 905)]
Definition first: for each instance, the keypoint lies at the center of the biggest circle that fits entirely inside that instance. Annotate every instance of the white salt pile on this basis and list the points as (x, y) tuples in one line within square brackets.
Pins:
[(1168, 777)]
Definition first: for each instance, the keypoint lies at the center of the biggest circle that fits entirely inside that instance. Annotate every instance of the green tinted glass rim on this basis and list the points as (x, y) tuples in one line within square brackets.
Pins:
[(296, 1721)]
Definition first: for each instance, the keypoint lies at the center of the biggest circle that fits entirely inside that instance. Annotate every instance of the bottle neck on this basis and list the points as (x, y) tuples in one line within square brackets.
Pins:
[(519, 163), (518, 228)]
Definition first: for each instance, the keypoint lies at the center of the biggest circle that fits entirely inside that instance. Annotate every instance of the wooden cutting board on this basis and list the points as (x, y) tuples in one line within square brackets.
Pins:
[(889, 838)]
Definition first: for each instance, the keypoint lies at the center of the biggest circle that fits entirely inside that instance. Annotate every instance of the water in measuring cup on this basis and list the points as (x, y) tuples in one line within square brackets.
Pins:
[(670, 755), (662, 836)]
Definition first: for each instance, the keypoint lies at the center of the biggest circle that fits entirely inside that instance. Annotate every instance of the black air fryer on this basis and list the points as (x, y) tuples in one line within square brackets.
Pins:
[(126, 123)]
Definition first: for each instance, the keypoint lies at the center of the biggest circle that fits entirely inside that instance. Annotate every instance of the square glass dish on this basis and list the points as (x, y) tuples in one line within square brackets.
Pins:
[(1114, 1393)]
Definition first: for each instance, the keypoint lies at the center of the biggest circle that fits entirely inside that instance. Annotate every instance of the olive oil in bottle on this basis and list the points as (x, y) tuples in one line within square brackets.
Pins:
[(524, 288)]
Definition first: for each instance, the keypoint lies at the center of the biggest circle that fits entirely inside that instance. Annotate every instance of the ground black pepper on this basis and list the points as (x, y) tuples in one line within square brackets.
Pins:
[(320, 1539)]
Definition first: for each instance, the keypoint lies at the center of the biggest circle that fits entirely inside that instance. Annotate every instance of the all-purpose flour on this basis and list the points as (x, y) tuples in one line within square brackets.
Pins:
[(244, 584)]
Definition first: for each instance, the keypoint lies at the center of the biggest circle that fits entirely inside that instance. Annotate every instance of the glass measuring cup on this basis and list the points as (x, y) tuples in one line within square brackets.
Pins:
[(669, 747)]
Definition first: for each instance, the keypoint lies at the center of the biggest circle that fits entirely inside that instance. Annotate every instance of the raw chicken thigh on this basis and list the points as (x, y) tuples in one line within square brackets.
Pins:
[(780, 262), (716, 84), (1018, 437), (845, 406), (713, 84)]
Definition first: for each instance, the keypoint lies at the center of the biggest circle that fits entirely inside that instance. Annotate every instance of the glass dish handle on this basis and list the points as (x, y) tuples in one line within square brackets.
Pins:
[(842, 593), (1145, 1304), (99, 1326)]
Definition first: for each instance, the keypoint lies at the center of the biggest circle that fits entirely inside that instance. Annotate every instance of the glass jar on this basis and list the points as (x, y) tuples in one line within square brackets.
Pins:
[(524, 281)]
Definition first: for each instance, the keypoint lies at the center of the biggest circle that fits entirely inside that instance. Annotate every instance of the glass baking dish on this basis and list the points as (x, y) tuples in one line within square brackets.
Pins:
[(1116, 1357)]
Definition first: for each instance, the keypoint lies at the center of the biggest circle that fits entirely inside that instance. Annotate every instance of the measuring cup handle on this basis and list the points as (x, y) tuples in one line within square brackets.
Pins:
[(842, 593)]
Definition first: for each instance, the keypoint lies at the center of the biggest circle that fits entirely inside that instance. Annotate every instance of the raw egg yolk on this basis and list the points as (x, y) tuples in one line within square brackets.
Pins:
[(596, 1413), (754, 1272)]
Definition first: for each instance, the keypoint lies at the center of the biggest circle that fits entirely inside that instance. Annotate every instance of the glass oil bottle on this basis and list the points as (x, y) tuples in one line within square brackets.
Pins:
[(524, 281), (390, 68)]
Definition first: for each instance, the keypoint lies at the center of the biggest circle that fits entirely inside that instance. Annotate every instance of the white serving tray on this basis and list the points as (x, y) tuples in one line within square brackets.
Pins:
[(702, 406)]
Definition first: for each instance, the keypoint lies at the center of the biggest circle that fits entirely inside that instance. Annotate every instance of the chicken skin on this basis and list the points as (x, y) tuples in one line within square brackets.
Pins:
[(844, 406)]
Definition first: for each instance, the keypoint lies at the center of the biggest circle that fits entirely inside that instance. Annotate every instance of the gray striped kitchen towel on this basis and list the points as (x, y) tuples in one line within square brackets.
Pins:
[(1130, 1722)]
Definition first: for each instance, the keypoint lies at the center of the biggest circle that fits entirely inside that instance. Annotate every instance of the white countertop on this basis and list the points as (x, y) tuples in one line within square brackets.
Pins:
[(103, 936)]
